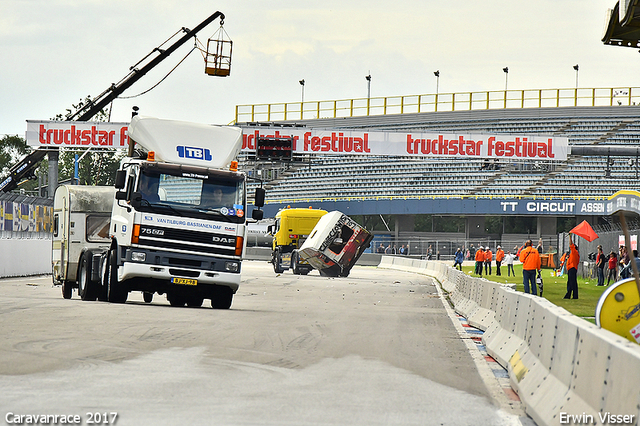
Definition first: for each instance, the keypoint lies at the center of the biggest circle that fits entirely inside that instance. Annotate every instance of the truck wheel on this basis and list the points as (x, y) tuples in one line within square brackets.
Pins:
[(115, 292), (67, 289), (176, 299), (295, 268), (222, 298), (147, 296), (277, 263), (195, 301), (87, 289)]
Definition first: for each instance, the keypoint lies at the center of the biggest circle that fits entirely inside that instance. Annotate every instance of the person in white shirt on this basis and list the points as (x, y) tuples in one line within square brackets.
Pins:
[(508, 260)]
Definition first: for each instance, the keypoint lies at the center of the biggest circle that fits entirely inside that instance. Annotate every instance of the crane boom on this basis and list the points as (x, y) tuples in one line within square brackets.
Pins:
[(24, 169)]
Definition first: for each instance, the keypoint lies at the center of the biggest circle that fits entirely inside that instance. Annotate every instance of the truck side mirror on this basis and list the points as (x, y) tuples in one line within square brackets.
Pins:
[(257, 214), (121, 177), (259, 197)]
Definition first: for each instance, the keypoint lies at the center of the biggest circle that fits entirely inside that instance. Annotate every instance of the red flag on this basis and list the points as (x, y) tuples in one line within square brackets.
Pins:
[(585, 231)]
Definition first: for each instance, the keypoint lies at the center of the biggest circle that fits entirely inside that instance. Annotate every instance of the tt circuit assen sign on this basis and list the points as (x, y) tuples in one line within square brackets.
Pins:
[(77, 134), (459, 145)]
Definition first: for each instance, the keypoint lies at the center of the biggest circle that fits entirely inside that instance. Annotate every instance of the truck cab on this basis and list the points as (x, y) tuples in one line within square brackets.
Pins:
[(292, 227), (178, 217)]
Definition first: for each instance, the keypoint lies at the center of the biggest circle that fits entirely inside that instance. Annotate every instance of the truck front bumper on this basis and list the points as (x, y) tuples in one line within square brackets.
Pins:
[(162, 265)]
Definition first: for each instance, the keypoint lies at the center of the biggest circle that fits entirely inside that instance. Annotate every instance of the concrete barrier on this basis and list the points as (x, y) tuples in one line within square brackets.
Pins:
[(565, 369), (24, 257)]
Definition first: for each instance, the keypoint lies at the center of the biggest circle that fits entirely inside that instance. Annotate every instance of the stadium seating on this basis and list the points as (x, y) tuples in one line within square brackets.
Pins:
[(349, 176)]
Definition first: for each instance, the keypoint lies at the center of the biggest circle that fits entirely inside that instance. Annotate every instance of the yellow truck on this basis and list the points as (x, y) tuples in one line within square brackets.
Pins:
[(292, 227)]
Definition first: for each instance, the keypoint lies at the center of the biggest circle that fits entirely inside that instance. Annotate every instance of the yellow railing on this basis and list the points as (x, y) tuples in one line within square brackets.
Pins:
[(463, 101)]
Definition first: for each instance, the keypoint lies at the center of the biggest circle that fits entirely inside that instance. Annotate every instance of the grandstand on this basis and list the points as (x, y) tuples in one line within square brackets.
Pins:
[(586, 177)]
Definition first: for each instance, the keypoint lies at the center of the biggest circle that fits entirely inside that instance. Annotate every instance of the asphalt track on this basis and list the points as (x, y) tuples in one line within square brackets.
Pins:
[(377, 348)]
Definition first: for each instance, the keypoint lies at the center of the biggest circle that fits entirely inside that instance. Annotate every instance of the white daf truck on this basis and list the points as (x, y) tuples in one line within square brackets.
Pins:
[(177, 220)]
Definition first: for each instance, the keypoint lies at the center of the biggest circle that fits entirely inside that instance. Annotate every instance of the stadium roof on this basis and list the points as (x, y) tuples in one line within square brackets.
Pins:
[(623, 24)]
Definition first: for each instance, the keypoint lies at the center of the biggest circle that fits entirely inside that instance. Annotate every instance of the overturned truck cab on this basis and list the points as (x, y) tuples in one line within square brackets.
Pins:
[(335, 244)]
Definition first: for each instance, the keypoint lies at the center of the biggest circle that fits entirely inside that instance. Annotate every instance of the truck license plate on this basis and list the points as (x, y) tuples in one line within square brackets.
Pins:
[(184, 281)]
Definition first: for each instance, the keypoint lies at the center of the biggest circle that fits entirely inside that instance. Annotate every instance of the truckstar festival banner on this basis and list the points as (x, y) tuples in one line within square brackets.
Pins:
[(49, 134), (69, 134), (460, 145)]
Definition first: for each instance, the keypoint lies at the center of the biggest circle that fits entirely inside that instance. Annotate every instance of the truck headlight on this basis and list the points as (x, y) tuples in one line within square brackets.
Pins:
[(137, 256), (232, 266)]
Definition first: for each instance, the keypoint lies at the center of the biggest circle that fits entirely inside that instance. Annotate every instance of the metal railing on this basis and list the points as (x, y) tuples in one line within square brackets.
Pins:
[(463, 101)]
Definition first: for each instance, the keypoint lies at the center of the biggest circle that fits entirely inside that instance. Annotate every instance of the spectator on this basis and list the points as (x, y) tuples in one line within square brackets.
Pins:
[(601, 260), (628, 269), (380, 249), (572, 270), (531, 263), (539, 247), (613, 267), (624, 261), (458, 259), (508, 260), (488, 257), (499, 259), (479, 260)]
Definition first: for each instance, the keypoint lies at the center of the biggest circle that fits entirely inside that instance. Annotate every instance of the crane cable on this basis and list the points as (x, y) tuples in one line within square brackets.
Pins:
[(163, 78)]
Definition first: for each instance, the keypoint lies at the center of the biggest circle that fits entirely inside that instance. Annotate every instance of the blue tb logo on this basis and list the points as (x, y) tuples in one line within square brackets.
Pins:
[(193, 152)]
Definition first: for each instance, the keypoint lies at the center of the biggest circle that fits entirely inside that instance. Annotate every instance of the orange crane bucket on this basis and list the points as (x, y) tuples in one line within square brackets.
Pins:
[(218, 56)]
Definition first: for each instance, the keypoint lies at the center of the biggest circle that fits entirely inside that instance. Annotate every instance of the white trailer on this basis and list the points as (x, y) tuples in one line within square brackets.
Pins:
[(81, 216)]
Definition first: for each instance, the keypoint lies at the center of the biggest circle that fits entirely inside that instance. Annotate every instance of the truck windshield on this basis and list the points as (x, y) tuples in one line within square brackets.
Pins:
[(208, 196)]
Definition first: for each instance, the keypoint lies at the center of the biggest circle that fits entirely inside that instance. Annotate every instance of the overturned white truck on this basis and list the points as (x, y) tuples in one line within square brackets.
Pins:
[(175, 224), (335, 244)]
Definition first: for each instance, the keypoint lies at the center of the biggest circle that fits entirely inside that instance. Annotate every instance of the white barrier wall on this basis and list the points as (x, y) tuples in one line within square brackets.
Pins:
[(24, 257), (560, 365)]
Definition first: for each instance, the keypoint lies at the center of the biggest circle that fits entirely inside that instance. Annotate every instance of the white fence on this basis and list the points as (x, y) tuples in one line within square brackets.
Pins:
[(24, 256)]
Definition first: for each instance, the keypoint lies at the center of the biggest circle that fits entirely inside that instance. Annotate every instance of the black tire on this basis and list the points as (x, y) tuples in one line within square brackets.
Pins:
[(87, 289), (176, 299), (295, 268), (147, 296), (277, 262), (222, 298), (67, 289), (195, 301), (115, 291)]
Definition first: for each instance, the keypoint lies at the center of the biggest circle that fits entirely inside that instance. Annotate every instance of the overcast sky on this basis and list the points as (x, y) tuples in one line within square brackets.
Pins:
[(55, 52)]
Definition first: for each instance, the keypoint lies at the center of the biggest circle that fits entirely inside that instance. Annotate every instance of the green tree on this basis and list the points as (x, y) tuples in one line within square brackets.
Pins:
[(12, 149)]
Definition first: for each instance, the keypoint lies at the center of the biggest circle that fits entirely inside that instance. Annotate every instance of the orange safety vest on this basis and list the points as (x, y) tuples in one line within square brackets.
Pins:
[(479, 256), (574, 257), (488, 256), (499, 255), (530, 259)]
